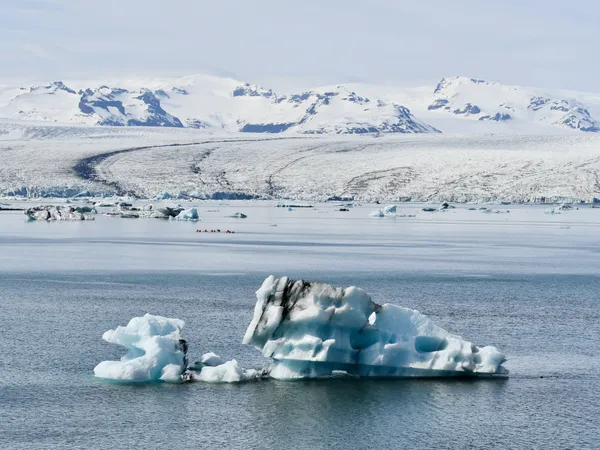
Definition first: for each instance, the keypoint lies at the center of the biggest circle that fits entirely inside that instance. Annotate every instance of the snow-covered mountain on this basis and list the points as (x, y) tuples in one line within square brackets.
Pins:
[(488, 101), (211, 103), (455, 105)]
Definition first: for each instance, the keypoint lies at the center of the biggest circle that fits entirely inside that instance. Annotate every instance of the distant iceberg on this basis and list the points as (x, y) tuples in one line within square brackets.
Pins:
[(188, 215), (316, 330), (59, 212), (388, 211)]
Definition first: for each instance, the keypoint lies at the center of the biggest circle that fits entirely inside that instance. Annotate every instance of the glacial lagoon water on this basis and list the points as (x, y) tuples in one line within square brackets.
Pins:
[(528, 284)]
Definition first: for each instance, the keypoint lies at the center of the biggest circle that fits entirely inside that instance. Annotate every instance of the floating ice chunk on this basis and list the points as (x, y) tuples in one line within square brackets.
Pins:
[(495, 211), (314, 329), (377, 213), (389, 210), (157, 215), (559, 209), (58, 213), (211, 359), (188, 214), (155, 350), (169, 211), (228, 372)]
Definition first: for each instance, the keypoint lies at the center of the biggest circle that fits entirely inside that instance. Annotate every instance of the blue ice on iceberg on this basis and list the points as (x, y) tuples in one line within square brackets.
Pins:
[(317, 330), (388, 211), (188, 214)]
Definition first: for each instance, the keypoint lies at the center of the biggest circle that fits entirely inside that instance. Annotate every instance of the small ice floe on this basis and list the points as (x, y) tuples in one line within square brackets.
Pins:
[(388, 211), (226, 372), (312, 330), (157, 352), (239, 215), (59, 212), (190, 215), (495, 211), (166, 212), (559, 209)]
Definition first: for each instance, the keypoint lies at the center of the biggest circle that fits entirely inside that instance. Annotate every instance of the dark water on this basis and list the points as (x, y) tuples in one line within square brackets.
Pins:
[(50, 340)]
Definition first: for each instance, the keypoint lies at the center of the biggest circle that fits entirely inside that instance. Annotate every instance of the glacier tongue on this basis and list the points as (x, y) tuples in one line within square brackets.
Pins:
[(316, 330)]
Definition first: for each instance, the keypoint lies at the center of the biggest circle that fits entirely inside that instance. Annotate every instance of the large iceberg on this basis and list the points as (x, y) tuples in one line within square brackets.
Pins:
[(155, 351), (317, 330)]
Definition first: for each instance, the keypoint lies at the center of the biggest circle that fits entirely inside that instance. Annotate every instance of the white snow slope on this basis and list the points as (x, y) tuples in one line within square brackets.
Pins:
[(208, 102), (219, 104)]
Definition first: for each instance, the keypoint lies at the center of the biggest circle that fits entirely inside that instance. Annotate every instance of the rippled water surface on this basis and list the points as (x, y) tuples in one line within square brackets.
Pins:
[(52, 318)]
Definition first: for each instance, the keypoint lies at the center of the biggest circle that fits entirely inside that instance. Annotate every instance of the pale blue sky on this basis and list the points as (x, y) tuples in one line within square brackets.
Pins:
[(529, 42)]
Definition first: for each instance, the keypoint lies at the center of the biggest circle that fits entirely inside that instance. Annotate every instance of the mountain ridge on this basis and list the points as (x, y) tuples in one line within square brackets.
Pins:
[(217, 103)]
